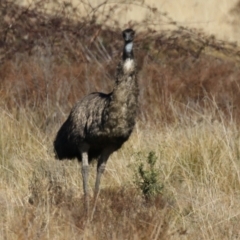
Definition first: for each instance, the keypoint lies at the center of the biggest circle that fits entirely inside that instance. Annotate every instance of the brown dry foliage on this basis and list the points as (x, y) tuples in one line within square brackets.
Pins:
[(52, 61)]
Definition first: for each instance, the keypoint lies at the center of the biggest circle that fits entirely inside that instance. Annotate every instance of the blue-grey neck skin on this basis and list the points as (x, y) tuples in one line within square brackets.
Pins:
[(129, 47), (128, 50)]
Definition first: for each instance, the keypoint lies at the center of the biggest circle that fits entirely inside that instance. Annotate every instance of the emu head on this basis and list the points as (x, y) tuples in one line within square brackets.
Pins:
[(128, 35)]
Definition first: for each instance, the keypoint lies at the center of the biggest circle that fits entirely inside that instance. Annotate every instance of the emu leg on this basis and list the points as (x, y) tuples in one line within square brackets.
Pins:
[(100, 169), (85, 170)]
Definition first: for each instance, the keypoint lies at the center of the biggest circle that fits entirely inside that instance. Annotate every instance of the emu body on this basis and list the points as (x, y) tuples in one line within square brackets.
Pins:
[(100, 123)]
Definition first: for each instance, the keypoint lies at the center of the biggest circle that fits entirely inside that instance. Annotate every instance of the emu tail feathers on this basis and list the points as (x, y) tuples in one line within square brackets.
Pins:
[(63, 147)]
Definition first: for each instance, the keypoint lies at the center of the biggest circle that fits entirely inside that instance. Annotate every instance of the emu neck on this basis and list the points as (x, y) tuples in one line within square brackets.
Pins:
[(126, 81), (122, 110), (128, 50)]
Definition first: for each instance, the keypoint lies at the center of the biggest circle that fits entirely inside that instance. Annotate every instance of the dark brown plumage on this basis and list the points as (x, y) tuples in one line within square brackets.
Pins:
[(100, 123)]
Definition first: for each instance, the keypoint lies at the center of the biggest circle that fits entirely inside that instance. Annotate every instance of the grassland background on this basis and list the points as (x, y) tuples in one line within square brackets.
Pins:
[(189, 116)]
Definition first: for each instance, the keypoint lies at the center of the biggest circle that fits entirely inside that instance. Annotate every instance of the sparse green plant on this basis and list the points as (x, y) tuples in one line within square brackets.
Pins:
[(147, 177)]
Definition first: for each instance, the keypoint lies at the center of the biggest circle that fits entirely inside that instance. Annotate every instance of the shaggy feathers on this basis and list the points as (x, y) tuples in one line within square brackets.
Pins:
[(100, 123), (102, 119)]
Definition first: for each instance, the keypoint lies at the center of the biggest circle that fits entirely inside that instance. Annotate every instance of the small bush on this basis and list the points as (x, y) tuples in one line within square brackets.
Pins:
[(147, 177)]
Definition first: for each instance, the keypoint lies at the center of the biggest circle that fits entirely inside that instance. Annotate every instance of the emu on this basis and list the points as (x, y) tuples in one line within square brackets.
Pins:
[(100, 123)]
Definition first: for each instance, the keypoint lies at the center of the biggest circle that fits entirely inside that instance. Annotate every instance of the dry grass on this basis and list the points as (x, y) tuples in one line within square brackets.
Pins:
[(199, 167), (189, 116)]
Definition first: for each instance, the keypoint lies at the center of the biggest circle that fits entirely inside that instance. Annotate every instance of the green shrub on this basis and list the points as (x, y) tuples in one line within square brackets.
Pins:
[(147, 177)]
